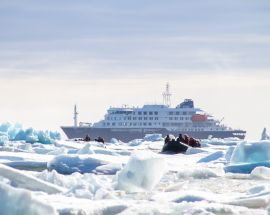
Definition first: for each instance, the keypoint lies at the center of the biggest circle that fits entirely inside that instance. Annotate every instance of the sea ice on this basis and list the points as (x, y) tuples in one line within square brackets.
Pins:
[(248, 155), (142, 172), (251, 152), (229, 153), (221, 142), (108, 169), (23, 180), (19, 201), (245, 168), (212, 157), (16, 132), (153, 137), (135, 142), (86, 150), (261, 172), (188, 187), (114, 141), (256, 197), (3, 138), (68, 164), (265, 135), (201, 173)]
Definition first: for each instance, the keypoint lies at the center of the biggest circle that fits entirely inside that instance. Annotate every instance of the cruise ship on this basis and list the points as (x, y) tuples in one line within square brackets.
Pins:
[(126, 123)]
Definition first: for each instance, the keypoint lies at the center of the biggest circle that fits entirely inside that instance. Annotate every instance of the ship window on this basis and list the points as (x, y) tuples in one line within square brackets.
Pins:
[(156, 118), (120, 123), (113, 124), (144, 118), (149, 123), (139, 113), (144, 113), (150, 118), (156, 113), (108, 124), (144, 123), (125, 118), (177, 113), (170, 113), (134, 124), (187, 118), (176, 118), (134, 118), (184, 113), (140, 118), (150, 113), (129, 118), (170, 118)]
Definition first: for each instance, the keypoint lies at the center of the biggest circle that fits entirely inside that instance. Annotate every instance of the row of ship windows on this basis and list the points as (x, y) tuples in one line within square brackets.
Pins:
[(147, 118), (153, 112), (146, 113), (130, 124), (155, 124), (181, 113), (186, 124)]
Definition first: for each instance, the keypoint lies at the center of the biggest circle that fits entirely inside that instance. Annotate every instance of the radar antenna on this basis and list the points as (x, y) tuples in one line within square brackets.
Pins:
[(167, 96), (75, 117)]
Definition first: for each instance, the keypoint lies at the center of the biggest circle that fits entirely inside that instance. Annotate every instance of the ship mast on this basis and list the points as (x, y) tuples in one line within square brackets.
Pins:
[(167, 96), (75, 116)]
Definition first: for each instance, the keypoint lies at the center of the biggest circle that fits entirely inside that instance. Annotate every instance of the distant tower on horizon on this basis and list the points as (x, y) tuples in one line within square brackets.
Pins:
[(167, 95), (75, 117)]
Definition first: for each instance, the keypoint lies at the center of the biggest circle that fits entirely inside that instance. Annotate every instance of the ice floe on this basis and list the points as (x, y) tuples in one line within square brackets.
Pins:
[(75, 177)]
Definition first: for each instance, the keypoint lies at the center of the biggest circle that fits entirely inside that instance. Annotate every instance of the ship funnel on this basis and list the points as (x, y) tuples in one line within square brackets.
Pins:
[(167, 96), (75, 117)]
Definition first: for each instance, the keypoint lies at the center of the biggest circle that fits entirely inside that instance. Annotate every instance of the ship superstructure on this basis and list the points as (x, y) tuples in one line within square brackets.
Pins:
[(127, 123)]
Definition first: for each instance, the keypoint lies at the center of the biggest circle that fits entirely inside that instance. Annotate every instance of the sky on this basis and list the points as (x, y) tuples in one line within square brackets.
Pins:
[(98, 54)]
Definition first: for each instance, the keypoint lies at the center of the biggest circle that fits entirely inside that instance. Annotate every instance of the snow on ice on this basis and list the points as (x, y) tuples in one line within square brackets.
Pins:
[(40, 174)]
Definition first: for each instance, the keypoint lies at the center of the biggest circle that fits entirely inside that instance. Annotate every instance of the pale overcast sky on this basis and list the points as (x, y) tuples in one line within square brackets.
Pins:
[(55, 53)]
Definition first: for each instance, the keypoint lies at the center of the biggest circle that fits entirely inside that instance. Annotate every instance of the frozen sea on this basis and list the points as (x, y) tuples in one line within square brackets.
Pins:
[(71, 177)]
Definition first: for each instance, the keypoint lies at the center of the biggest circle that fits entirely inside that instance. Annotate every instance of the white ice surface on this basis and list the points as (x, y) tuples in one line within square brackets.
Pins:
[(193, 183)]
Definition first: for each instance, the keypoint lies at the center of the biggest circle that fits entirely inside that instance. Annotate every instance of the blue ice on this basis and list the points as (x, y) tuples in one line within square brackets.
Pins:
[(248, 155)]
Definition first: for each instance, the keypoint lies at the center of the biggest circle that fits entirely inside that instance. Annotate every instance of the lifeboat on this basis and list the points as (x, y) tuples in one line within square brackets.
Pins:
[(198, 118)]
